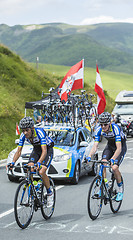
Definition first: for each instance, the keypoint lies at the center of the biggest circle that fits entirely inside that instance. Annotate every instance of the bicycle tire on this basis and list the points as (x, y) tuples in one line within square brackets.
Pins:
[(47, 212), (95, 199), (114, 205), (23, 204)]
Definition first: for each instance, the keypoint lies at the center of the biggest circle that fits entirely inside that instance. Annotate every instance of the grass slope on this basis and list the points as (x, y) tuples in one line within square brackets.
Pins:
[(18, 83)]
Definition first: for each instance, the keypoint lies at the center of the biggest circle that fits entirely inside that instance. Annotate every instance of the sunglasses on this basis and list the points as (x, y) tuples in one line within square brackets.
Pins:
[(104, 124), (25, 129)]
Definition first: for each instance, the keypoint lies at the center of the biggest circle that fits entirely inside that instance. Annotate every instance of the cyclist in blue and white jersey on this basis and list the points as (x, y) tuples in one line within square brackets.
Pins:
[(42, 151), (115, 149)]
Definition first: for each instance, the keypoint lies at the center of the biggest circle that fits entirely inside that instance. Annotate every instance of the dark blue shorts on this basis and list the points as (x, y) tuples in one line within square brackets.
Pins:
[(35, 155), (108, 152)]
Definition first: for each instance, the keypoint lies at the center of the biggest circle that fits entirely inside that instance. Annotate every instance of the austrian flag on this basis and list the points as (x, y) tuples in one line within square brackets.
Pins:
[(17, 129), (101, 101), (73, 80)]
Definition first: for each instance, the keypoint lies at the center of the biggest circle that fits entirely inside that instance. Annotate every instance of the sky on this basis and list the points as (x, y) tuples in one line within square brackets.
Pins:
[(75, 12)]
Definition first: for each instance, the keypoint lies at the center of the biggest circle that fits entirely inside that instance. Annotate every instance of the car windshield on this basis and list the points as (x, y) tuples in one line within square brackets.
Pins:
[(124, 109), (62, 137)]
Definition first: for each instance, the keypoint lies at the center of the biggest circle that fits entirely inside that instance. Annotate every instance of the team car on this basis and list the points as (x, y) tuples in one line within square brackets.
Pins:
[(71, 147)]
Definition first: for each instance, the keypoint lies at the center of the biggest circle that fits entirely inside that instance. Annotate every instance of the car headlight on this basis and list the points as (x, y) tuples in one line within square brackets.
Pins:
[(63, 157), (11, 155)]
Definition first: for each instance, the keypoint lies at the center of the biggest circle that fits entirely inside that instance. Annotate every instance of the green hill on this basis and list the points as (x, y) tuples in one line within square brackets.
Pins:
[(64, 44), (20, 83)]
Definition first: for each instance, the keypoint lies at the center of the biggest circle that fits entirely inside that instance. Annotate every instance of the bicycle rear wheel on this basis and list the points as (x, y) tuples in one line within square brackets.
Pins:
[(114, 205), (95, 198), (24, 204), (47, 212)]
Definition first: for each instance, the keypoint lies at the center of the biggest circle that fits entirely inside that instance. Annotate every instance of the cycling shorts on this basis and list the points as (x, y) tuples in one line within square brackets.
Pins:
[(35, 155), (108, 152)]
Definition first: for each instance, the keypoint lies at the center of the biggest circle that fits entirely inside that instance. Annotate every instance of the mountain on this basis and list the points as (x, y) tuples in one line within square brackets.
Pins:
[(62, 44)]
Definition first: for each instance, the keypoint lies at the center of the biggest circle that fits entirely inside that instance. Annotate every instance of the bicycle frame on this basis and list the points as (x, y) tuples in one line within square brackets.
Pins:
[(102, 182), (99, 192), (29, 179)]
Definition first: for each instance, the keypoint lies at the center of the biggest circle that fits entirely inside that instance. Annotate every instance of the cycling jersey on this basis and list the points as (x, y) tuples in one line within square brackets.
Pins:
[(115, 134), (40, 138)]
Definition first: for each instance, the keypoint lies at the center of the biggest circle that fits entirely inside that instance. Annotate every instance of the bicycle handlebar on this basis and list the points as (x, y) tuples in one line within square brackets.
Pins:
[(102, 162), (26, 166)]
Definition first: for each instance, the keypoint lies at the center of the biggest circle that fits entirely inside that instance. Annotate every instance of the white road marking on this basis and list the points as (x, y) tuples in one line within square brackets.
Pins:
[(8, 225), (6, 213), (12, 210), (112, 230)]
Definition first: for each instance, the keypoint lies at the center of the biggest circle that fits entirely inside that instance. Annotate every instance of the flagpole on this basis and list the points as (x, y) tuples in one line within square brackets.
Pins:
[(83, 72)]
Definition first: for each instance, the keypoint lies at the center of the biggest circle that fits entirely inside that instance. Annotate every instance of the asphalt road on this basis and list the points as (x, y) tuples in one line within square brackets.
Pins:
[(70, 219)]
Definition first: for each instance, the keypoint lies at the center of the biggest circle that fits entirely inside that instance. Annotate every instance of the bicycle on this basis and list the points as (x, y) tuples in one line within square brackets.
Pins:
[(99, 192), (28, 199)]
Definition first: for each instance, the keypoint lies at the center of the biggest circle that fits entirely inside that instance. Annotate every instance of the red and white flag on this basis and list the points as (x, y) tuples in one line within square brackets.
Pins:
[(73, 80), (17, 129), (101, 101)]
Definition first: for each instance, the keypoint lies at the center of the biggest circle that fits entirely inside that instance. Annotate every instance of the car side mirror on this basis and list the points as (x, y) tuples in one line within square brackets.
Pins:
[(17, 141), (83, 144)]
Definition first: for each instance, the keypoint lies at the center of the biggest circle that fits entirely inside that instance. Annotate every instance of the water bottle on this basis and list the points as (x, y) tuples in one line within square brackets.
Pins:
[(106, 182), (37, 185), (38, 188)]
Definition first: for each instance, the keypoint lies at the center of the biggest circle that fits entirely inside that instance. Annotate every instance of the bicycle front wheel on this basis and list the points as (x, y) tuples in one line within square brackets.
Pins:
[(47, 212), (115, 205), (24, 204), (95, 198)]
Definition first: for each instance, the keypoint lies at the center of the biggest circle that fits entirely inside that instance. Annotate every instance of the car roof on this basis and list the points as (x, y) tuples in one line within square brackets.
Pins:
[(59, 127)]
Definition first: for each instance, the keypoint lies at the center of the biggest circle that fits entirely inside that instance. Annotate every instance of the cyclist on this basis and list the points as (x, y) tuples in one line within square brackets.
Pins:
[(115, 148), (42, 151)]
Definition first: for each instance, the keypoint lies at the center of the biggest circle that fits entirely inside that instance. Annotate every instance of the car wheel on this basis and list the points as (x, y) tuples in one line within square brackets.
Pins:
[(75, 179), (13, 179)]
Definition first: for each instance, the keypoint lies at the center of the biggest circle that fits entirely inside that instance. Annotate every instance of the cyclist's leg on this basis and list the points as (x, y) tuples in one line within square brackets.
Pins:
[(45, 165), (32, 159), (117, 162), (117, 173), (106, 155)]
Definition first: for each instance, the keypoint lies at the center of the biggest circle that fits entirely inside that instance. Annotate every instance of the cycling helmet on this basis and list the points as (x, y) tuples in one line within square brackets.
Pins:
[(104, 117), (26, 122)]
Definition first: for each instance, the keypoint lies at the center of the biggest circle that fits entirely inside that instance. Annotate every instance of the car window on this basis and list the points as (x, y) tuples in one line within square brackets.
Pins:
[(87, 135), (80, 137), (62, 138), (123, 109)]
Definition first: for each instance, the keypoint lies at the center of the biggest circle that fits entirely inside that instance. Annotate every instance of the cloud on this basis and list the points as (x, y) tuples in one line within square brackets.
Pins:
[(104, 19)]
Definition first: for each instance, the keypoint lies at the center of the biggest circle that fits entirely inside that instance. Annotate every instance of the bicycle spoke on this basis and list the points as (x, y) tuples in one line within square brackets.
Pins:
[(95, 198), (23, 205), (47, 212), (114, 205)]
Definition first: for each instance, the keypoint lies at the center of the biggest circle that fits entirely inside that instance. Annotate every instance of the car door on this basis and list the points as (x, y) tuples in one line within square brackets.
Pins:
[(90, 140), (81, 150)]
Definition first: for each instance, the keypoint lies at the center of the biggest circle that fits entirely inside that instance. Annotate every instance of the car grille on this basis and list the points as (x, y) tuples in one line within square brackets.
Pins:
[(52, 170), (17, 168)]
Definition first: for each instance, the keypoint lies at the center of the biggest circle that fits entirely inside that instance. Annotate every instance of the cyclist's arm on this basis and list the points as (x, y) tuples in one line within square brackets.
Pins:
[(43, 154), (94, 149), (17, 154), (118, 150), (117, 132)]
